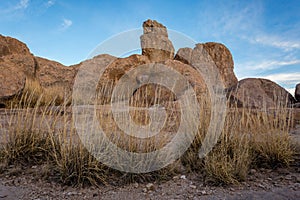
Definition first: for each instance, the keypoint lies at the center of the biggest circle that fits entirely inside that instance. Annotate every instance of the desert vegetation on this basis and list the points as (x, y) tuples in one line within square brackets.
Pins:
[(35, 131)]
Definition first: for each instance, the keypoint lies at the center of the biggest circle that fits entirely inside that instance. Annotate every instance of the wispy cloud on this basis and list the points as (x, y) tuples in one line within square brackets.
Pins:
[(23, 4), (285, 78), (277, 42), (270, 64), (50, 3), (12, 9), (66, 24)]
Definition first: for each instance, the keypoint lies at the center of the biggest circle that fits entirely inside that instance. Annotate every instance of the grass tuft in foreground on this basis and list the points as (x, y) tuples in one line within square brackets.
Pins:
[(37, 132)]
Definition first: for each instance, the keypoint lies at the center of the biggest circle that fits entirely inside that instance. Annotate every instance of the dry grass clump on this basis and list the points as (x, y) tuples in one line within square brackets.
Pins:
[(45, 135), (33, 94), (37, 132), (77, 167), (251, 138)]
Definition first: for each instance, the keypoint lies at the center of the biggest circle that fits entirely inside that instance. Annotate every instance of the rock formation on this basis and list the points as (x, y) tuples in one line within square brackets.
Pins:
[(55, 77), (17, 65), (155, 43), (221, 57), (260, 93), (297, 92)]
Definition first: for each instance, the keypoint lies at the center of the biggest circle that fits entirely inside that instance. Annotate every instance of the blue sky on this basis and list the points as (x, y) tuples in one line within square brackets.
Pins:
[(263, 36)]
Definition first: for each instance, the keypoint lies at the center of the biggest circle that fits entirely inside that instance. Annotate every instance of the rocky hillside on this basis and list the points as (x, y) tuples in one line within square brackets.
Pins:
[(18, 66)]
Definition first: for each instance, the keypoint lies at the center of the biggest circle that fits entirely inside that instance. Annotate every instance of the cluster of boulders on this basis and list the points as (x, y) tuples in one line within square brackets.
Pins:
[(18, 65)]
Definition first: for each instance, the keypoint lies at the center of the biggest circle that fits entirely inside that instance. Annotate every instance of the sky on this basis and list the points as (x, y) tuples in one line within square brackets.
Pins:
[(263, 36)]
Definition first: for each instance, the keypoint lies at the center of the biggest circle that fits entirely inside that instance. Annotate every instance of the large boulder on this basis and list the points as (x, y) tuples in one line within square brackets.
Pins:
[(16, 64), (219, 54), (297, 92), (155, 43), (148, 93), (10, 46), (260, 94), (184, 55), (223, 60), (117, 68), (54, 77)]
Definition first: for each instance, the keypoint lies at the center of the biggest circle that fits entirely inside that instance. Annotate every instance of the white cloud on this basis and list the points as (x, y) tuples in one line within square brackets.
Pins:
[(23, 4), (291, 91), (270, 64), (277, 42), (50, 3), (285, 78), (66, 24)]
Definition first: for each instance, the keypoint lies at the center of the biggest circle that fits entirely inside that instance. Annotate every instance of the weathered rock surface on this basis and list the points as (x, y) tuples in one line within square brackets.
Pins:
[(223, 60), (116, 69), (155, 43), (184, 55), (16, 63), (54, 76), (148, 93), (260, 93), (221, 57), (297, 92), (10, 46)]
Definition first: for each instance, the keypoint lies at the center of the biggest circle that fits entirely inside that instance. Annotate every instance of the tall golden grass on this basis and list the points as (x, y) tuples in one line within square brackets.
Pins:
[(35, 131)]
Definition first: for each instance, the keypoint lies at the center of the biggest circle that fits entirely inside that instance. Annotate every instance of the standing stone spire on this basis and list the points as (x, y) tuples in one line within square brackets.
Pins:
[(155, 42)]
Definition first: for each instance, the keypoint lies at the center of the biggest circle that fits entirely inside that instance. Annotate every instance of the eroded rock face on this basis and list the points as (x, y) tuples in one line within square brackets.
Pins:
[(117, 68), (16, 63), (184, 55), (10, 46), (148, 93), (223, 60), (221, 57), (55, 76), (155, 43), (260, 93), (297, 92)]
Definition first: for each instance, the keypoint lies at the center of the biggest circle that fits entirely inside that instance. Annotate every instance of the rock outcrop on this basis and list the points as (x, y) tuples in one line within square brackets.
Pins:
[(184, 55), (155, 42), (297, 92), (224, 62), (16, 63), (55, 77), (221, 57), (259, 94)]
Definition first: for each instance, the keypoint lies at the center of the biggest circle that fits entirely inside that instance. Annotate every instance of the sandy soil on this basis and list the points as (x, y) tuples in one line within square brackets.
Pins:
[(261, 184)]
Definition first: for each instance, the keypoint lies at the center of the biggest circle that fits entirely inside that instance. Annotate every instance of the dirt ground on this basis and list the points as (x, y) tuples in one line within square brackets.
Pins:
[(261, 184), (282, 183)]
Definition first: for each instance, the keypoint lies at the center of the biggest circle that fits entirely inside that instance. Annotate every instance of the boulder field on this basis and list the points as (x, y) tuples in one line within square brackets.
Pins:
[(18, 65)]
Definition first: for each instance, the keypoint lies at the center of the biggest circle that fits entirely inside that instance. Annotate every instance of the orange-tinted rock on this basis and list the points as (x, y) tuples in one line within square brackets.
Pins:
[(55, 76), (16, 63)]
